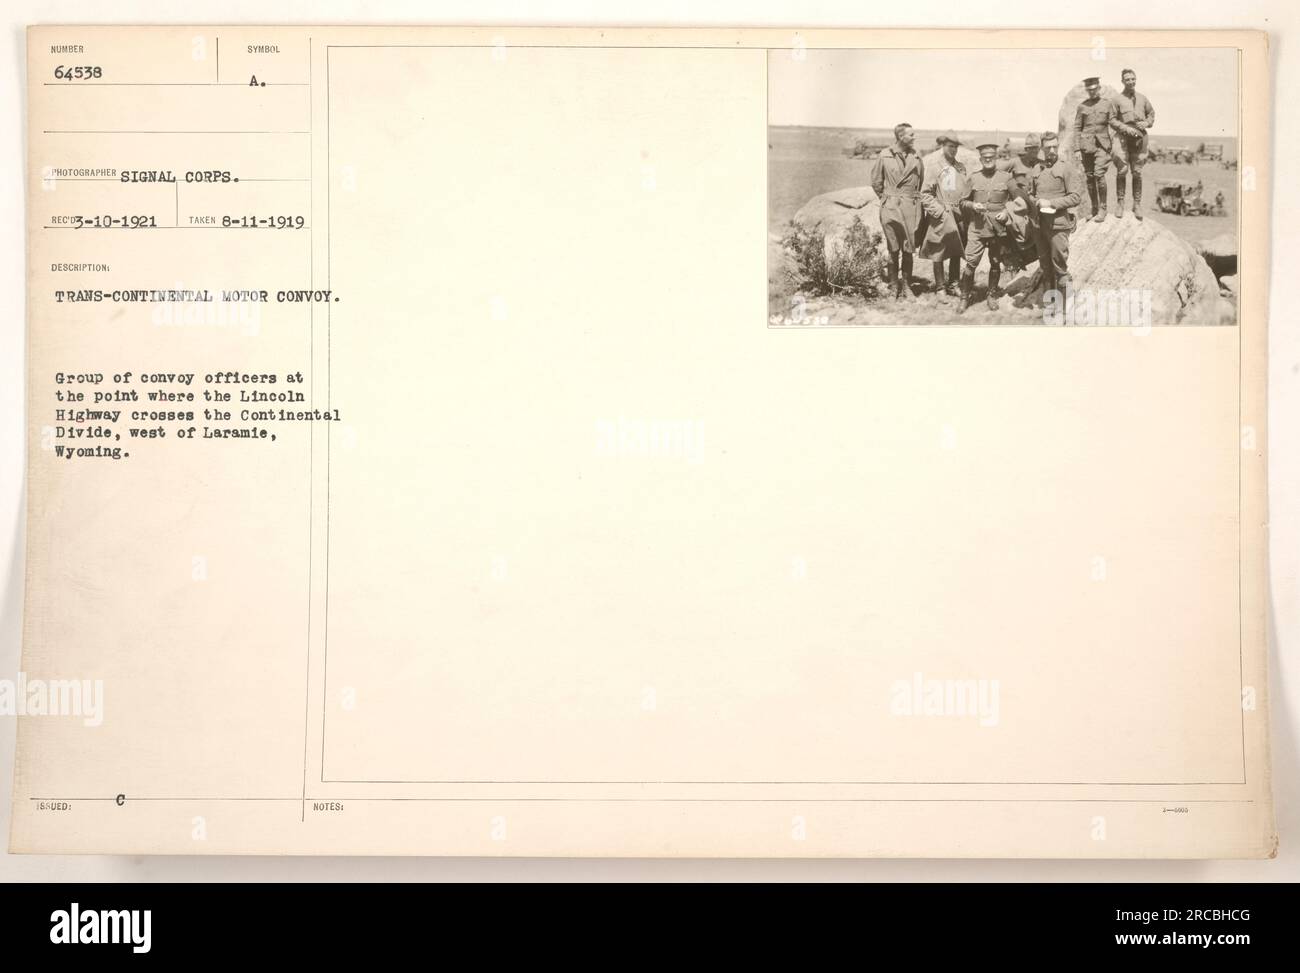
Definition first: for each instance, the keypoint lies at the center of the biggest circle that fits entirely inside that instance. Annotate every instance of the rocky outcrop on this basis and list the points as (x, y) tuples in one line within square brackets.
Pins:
[(1126, 256), (833, 213)]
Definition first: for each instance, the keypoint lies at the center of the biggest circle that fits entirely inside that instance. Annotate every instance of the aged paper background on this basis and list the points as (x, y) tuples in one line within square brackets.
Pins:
[(569, 379)]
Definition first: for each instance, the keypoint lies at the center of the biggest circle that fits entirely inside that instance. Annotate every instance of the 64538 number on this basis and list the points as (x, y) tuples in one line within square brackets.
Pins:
[(79, 73)]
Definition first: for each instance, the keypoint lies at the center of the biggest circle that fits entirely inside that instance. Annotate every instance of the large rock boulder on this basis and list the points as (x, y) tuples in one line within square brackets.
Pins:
[(1127, 255), (833, 213)]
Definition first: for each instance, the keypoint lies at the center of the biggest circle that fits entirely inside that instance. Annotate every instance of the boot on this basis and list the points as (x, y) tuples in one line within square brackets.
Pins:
[(967, 285), (1137, 195), (891, 278), (1092, 192), (954, 275), (1041, 282), (1026, 296), (1120, 185), (1101, 201), (905, 291), (992, 299), (939, 286)]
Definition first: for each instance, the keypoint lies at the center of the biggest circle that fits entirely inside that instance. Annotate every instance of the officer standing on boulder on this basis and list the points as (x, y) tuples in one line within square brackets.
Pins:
[(1136, 117), (1092, 127), (896, 178), (986, 206), (1053, 195)]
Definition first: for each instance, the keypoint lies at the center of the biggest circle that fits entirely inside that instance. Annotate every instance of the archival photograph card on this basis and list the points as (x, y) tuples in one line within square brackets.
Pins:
[(630, 442)]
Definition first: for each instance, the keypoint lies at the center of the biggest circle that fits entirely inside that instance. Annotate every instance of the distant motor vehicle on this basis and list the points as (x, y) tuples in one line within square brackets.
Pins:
[(865, 149), (1184, 199)]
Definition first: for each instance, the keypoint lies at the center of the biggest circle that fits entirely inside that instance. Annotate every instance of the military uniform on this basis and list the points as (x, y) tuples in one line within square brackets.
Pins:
[(945, 236), (941, 199), (1021, 218), (1056, 186), (985, 206), (1134, 115), (1092, 138), (1022, 173), (987, 229), (896, 178)]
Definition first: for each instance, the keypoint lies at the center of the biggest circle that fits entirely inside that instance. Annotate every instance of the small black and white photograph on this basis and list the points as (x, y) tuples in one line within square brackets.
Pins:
[(1090, 186)]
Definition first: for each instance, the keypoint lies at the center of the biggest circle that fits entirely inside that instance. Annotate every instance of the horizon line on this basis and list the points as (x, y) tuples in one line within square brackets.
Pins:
[(1010, 131)]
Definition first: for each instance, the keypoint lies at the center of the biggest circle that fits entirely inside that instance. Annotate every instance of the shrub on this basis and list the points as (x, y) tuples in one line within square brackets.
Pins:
[(855, 265)]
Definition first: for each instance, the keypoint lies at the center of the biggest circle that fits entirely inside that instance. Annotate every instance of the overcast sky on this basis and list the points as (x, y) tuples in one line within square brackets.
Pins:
[(1194, 92)]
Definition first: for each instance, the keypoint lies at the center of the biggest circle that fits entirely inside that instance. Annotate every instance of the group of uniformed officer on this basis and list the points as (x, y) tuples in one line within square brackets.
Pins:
[(954, 218)]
